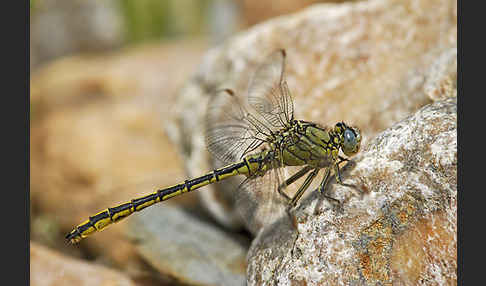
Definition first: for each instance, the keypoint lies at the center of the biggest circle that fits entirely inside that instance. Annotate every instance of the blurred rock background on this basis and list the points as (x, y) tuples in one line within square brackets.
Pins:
[(118, 91)]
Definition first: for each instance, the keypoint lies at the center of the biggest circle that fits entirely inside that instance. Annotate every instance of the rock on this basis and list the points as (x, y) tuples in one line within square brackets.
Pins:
[(442, 76), (367, 63), (254, 11), (182, 246), (397, 223), (48, 267), (59, 28), (98, 138)]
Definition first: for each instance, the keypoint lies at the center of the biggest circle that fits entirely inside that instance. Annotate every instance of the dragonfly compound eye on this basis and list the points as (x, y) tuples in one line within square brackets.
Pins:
[(352, 140)]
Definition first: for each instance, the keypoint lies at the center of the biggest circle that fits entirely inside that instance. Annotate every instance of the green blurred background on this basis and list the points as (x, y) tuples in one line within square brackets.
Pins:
[(59, 28)]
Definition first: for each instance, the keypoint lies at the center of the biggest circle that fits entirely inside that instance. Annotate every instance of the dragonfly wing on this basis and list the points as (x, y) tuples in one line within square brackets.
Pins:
[(258, 202), (268, 92), (230, 130), (235, 127)]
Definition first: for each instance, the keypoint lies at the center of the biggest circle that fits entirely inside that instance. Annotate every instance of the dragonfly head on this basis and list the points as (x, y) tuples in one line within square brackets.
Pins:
[(350, 138)]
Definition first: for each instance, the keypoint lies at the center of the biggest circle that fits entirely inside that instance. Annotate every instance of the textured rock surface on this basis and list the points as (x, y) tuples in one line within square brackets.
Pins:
[(397, 225), (189, 250), (365, 63), (49, 268), (442, 76)]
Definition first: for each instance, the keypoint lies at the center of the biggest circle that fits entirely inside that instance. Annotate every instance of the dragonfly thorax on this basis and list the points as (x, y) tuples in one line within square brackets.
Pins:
[(306, 143)]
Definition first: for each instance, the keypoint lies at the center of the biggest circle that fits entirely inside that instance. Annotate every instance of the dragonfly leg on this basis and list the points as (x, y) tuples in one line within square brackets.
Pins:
[(291, 180), (342, 159), (323, 185), (336, 169), (324, 181), (337, 173), (303, 187)]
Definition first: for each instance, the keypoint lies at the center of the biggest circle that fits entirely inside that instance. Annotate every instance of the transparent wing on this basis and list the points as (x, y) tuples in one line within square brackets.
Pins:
[(232, 131), (235, 126), (269, 94), (258, 201)]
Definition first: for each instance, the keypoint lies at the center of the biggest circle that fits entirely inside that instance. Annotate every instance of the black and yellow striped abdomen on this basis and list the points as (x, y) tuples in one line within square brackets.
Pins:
[(99, 221), (300, 144)]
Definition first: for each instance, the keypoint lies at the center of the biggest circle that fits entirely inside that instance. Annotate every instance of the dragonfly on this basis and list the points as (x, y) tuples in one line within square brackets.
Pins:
[(256, 137)]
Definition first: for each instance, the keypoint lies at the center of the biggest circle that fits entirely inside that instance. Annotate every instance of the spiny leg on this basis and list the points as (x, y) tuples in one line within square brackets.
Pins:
[(291, 180), (337, 173), (324, 181), (303, 187), (323, 185), (342, 159), (336, 169)]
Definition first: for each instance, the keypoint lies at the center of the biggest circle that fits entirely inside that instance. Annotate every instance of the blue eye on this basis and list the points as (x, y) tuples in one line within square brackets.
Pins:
[(351, 141), (349, 137)]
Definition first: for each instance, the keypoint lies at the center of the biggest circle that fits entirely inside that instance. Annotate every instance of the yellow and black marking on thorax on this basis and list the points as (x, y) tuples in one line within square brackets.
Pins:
[(305, 143), (249, 166)]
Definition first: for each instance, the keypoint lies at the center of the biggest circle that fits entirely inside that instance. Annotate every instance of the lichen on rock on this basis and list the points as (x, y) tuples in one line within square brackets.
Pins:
[(397, 224)]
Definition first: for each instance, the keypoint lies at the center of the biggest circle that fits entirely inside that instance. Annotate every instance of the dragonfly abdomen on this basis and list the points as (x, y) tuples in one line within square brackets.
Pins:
[(108, 216)]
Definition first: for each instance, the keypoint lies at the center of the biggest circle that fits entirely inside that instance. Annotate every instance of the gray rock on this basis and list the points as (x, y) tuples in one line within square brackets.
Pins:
[(50, 267), (187, 249), (398, 219), (59, 28)]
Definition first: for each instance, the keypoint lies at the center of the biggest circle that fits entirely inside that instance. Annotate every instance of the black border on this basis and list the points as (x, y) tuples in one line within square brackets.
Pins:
[(26, 183), (16, 138), (460, 112)]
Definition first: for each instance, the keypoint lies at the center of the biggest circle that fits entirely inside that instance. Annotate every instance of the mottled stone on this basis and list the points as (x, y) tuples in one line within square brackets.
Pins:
[(397, 222), (50, 268), (442, 76), (182, 246), (365, 63)]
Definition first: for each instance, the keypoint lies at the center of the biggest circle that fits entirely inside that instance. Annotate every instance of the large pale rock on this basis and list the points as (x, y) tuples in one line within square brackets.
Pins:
[(396, 225), (442, 76), (183, 246), (49, 268), (368, 63)]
